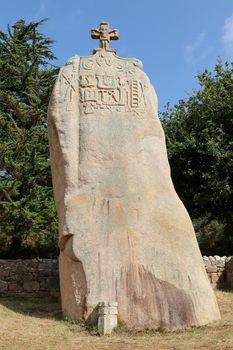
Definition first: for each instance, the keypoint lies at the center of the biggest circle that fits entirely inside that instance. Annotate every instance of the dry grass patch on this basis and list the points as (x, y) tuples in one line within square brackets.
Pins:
[(37, 325)]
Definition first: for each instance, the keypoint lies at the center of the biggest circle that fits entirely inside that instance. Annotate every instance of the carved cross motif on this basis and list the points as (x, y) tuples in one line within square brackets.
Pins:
[(104, 34)]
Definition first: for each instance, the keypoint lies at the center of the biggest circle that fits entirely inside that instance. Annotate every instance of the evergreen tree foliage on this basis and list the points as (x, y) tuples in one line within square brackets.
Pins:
[(199, 133), (28, 226)]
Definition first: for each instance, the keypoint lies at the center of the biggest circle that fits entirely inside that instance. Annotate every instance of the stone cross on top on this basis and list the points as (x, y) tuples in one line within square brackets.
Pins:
[(104, 34)]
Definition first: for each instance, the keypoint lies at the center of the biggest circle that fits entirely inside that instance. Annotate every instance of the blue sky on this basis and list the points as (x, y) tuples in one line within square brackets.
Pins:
[(175, 39)]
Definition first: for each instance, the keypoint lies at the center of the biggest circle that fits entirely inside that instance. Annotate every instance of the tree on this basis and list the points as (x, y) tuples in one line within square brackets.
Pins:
[(199, 134), (28, 226)]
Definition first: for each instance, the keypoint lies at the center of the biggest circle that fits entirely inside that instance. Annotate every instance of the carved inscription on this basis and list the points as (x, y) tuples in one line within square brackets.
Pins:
[(88, 64), (104, 59), (70, 90), (68, 79), (110, 92), (100, 89)]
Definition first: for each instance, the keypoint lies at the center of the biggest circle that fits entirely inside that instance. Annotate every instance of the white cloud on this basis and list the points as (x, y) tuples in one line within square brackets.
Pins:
[(227, 37), (196, 50)]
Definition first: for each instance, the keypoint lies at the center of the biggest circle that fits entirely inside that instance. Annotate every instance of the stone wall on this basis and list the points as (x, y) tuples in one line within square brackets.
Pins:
[(29, 278), (39, 277), (219, 269)]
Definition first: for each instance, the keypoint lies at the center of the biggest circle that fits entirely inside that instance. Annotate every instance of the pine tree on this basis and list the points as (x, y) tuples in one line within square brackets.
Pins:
[(28, 226)]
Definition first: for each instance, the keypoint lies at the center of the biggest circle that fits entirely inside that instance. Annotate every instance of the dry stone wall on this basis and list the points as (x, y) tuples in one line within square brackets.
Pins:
[(40, 278), (29, 278), (218, 269)]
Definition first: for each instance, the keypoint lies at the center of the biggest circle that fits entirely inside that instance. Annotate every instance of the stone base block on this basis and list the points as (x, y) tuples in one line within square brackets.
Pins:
[(107, 320)]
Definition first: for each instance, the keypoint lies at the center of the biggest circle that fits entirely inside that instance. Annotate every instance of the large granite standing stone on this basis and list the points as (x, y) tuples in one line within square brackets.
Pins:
[(125, 236)]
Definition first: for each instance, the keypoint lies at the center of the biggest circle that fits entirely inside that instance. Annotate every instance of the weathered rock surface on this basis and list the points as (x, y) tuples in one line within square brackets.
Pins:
[(120, 219)]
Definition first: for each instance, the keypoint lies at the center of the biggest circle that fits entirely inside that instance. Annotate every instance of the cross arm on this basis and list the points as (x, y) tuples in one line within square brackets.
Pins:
[(114, 34), (95, 34)]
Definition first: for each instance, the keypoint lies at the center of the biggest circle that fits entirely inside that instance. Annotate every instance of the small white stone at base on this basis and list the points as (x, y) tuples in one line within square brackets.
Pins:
[(107, 320)]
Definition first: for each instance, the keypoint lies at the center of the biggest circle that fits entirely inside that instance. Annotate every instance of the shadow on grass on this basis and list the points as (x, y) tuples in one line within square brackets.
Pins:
[(46, 308), (223, 287), (41, 308)]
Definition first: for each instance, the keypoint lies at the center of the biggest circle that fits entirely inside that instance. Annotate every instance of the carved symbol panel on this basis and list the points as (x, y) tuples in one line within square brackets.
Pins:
[(107, 83)]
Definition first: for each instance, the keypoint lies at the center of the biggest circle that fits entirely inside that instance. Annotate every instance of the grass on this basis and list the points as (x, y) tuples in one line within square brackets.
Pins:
[(38, 324)]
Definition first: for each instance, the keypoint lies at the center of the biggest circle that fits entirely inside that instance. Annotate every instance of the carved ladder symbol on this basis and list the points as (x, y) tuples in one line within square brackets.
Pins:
[(134, 93)]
